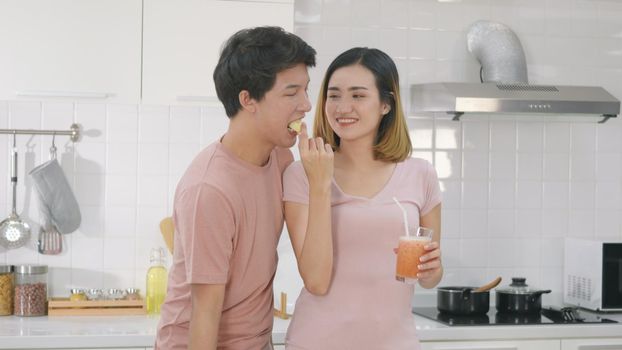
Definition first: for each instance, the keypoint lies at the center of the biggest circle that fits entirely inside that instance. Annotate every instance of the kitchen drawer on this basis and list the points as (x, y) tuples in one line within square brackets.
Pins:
[(592, 344), (493, 345)]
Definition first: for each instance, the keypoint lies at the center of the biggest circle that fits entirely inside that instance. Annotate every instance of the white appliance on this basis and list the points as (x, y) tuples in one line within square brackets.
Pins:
[(593, 274)]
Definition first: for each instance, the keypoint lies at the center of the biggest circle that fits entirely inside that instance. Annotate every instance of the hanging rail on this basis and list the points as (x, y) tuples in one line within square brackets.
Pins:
[(73, 133)]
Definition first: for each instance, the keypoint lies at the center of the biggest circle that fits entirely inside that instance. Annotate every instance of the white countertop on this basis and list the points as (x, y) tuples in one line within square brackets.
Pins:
[(139, 331), (67, 332)]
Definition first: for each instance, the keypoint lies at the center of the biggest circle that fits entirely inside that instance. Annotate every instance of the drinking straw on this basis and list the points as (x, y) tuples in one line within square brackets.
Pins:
[(405, 216)]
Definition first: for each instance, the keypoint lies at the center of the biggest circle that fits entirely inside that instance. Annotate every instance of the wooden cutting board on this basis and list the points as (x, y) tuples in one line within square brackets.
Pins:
[(167, 228)]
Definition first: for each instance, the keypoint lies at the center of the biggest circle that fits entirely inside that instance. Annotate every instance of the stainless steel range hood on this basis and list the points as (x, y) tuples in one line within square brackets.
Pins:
[(504, 87), (460, 98)]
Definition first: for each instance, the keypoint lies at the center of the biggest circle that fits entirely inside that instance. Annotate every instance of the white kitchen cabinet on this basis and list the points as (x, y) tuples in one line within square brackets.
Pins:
[(592, 344), (493, 345), (182, 41), (72, 49), (279, 347)]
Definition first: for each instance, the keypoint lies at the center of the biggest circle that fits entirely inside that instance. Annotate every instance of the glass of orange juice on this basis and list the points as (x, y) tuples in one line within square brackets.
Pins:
[(410, 249)]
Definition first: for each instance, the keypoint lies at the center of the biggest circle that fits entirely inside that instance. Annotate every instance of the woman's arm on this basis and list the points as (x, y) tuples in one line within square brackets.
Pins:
[(309, 226), (430, 267)]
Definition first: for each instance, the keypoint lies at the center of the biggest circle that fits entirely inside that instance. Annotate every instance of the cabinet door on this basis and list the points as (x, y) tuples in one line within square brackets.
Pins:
[(70, 49), (182, 41), (493, 345), (592, 344)]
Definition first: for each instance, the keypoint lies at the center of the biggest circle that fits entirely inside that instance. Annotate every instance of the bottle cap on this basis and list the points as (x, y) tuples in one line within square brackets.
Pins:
[(158, 255)]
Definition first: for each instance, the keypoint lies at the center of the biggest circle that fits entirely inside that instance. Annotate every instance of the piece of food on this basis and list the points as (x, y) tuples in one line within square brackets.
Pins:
[(296, 125)]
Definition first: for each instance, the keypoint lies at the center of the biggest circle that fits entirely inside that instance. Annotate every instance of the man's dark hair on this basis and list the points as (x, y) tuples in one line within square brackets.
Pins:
[(250, 60)]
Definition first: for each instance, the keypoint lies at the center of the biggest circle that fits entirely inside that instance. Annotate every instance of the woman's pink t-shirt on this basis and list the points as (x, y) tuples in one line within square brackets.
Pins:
[(365, 307)]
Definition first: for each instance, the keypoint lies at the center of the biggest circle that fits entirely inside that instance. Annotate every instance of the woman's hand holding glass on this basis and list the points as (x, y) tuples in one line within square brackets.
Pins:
[(430, 263)]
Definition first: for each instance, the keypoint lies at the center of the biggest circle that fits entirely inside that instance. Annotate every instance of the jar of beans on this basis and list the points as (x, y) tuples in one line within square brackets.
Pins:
[(31, 291), (6, 290)]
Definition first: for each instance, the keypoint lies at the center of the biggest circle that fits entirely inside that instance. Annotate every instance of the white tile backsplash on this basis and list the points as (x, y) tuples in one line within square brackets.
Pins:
[(500, 223), (582, 166), (501, 194), (528, 195), (185, 125), (503, 136), (475, 165), (121, 158), (92, 118), (528, 223), (153, 124), (556, 167), (120, 222), (122, 123), (529, 166), (608, 195)]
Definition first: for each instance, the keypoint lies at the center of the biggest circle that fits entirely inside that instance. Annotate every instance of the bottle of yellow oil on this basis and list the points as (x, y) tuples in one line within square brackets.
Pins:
[(156, 281)]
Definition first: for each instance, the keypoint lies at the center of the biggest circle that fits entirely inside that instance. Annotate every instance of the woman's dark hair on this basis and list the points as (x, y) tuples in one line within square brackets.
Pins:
[(392, 140), (250, 60)]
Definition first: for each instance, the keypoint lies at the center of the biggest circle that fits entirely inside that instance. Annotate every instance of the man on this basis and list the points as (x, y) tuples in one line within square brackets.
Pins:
[(227, 209)]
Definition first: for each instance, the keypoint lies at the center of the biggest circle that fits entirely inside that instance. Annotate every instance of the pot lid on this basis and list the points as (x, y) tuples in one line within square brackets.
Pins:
[(518, 286)]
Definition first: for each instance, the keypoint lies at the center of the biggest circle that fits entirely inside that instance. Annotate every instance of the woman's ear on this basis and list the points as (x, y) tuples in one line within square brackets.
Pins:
[(247, 102), (386, 108)]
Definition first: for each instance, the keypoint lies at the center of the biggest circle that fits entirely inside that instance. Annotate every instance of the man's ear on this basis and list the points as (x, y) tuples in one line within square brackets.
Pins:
[(247, 102)]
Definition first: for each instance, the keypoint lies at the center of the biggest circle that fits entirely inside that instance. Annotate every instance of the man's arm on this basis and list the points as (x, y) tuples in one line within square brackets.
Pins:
[(207, 301)]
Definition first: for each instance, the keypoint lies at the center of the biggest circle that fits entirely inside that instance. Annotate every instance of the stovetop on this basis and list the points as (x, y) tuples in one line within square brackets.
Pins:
[(548, 315)]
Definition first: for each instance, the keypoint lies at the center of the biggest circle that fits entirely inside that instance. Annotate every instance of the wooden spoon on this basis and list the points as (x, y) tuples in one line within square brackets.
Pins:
[(488, 286), (168, 229)]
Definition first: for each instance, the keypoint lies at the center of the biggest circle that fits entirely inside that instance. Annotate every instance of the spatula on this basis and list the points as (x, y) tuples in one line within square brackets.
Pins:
[(488, 286), (167, 228)]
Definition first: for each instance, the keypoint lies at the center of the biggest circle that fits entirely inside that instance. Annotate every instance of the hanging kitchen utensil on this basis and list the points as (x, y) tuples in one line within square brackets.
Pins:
[(14, 232), (167, 228), (55, 193), (50, 241)]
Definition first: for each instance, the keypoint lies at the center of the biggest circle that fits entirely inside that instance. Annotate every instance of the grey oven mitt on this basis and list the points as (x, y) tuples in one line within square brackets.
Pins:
[(56, 196)]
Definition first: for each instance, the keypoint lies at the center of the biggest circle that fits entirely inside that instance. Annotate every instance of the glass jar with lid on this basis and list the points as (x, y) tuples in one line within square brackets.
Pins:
[(31, 291), (6, 290)]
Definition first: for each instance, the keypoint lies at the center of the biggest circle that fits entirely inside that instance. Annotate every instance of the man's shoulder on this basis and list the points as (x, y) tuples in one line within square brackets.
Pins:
[(204, 169)]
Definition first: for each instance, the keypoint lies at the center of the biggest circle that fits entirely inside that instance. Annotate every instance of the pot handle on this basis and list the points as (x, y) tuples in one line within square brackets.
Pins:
[(538, 293), (466, 293)]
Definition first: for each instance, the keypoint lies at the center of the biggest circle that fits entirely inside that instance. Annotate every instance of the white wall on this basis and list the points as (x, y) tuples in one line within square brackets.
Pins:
[(123, 171), (512, 190)]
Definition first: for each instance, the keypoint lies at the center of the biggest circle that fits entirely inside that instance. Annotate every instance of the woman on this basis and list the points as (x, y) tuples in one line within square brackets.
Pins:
[(342, 220)]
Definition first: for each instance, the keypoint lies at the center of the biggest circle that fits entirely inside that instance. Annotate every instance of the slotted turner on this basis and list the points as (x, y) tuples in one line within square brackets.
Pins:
[(50, 241)]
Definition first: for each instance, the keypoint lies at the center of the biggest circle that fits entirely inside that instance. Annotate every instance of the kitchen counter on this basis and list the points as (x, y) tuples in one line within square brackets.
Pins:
[(66, 332), (139, 331)]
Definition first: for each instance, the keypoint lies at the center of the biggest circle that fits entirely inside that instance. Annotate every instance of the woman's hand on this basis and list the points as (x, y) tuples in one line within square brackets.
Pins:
[(317, 160), (430, 264)]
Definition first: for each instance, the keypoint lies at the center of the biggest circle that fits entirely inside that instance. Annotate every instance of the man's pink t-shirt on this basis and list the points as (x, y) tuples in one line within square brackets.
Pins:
[(365, 307), (228, 217)]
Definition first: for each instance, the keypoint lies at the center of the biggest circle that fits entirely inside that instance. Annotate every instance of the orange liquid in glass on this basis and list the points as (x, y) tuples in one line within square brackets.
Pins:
[(410, 249)]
